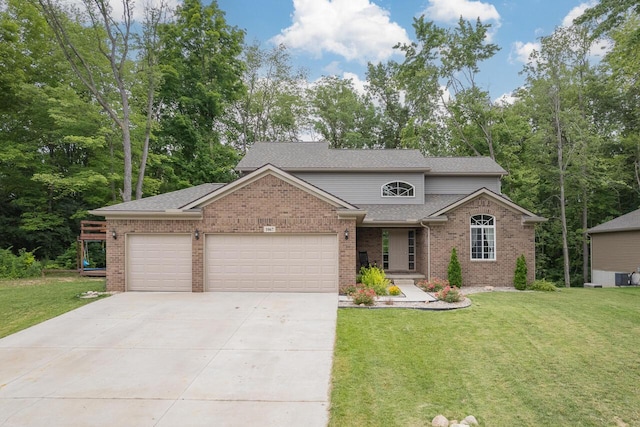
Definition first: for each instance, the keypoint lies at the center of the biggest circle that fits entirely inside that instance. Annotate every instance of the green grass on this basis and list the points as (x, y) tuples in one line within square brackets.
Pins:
[(26, 302), (569, 358)]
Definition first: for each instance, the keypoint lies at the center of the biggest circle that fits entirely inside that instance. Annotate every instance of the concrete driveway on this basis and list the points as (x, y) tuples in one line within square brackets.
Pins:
[(174, 359)]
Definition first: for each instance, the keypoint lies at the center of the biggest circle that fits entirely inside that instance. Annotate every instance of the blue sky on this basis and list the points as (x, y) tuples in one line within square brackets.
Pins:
[(338, 37)]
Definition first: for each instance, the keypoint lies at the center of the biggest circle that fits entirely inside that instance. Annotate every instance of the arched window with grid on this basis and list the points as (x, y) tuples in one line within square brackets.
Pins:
[(483, 237), (398, 189)]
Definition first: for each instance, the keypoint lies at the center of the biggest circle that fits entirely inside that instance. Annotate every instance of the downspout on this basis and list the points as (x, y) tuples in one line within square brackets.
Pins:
[(428, 249)]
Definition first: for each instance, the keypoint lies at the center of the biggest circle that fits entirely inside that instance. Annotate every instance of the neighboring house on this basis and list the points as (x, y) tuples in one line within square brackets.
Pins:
[(300, 214), (614, 249)]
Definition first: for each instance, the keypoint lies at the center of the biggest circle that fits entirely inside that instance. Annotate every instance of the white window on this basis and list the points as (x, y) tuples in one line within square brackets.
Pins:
[(398, 189), (483, 237)]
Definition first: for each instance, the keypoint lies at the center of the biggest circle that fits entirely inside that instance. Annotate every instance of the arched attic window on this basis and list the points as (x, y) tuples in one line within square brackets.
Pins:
[(483, 237), (398, 189)]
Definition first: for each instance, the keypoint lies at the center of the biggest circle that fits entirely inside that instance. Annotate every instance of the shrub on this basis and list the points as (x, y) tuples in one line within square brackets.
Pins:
[(450, 294), (17, 266), (542, 285), (454, 272), (520, 276), (364, 296), (433, 285), (347, 289), (394, 290), (374, 278)]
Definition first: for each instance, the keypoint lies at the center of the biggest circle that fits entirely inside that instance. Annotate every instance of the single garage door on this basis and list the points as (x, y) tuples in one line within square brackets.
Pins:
[(272, 262), (159, 262)]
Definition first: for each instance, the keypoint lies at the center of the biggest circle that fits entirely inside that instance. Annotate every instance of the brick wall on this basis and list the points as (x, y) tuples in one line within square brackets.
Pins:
[(512, 239), (266, 201)]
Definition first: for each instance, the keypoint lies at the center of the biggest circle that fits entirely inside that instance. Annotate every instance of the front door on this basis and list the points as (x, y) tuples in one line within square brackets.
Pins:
[(398, 249)]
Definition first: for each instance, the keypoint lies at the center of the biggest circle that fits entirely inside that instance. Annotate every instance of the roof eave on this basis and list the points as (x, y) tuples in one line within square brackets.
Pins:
[(345, 169), (177, 214), (591, 231)]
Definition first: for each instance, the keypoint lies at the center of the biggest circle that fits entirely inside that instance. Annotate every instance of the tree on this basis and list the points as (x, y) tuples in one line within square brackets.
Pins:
[(451, 56), (520, 275), (273, 107), (342, 116), (201, 78), (608, 15), (454, 270), (99, 56)]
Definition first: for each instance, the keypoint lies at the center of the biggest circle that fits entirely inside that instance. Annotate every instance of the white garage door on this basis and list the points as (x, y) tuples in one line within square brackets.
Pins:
[(272, 262), (159, 262)]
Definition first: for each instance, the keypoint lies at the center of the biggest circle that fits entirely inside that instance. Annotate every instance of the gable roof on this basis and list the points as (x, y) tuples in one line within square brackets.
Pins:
[(310, 156), (269, 169), (529, 217), (317, 156), (188, 203), (627, 222), (168, 201)]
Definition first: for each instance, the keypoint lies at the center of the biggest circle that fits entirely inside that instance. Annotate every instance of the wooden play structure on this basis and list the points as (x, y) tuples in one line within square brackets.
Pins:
[(91, 233)]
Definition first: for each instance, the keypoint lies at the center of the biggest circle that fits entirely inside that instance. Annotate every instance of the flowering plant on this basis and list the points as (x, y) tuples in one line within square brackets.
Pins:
[(394, 290), (433, 285), (364, 296), (449, 294)]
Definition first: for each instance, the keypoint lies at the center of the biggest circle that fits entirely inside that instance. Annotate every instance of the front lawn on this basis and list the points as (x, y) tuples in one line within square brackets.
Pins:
[(26, 302), (527, 359)]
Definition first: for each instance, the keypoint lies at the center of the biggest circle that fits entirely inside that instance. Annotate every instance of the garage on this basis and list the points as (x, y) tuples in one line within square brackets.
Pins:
[(271, 262), (159, 262)]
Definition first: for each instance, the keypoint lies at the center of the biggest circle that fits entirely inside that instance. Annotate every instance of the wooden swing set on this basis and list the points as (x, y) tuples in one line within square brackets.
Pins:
[(91, 232)]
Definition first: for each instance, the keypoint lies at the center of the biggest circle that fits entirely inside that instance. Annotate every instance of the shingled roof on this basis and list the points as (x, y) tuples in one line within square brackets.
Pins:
[(298, 156), (163, 202), (310, 156), (628, 222)]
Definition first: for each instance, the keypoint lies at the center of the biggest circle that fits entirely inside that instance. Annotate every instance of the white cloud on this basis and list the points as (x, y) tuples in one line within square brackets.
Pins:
[(451, 10), (576, 12), (354, 29), (333, 68), (521, 51)]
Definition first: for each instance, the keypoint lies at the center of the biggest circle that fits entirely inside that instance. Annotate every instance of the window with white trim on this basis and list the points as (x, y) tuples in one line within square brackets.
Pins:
[(483, 237), (398, 189)]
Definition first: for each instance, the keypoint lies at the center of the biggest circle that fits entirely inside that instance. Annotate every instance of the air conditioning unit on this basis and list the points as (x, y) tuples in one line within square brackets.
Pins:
[(634, 278), (622, 279)]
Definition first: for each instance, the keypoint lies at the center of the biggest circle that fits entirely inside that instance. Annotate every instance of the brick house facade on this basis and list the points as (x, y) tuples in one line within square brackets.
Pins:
[(268, 201)]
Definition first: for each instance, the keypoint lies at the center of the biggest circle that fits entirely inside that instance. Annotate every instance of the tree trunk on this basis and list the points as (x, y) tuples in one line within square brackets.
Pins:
[(585, 242), (563, 210)]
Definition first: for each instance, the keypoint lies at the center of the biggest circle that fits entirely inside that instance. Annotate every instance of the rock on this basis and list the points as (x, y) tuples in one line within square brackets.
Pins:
[(470, 420), (488, 288), (440, 421), (453, 423)]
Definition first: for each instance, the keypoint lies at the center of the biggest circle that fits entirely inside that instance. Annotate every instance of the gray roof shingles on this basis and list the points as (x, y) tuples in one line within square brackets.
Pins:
[(318, 155), (630, 221), (433, 203), (162, 202)]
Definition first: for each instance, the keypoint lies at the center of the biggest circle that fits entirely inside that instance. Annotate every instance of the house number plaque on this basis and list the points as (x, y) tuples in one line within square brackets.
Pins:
[(269, 229)]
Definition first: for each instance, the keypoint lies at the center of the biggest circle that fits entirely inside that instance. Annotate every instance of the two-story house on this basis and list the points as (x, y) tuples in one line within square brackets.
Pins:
[(302, 217)]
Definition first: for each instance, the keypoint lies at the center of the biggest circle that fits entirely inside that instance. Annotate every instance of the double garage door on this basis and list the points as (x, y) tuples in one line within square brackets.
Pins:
[(234, 262)]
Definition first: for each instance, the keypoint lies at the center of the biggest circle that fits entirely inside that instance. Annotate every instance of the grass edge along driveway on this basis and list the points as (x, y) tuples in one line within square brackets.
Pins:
[(27, 302), (526, 358)]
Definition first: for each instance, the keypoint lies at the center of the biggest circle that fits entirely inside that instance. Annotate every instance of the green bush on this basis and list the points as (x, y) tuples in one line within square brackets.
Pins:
[(520, 276), (18, 266), (364, 296), (542, 285), (454, 272), (374, 278)]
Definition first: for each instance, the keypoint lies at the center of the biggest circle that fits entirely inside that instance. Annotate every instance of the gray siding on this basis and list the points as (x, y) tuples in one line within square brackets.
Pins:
[(460, 184), (365, 187)]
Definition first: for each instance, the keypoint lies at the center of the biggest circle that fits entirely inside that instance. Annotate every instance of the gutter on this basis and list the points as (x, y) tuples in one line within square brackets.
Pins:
[(428, 249)]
